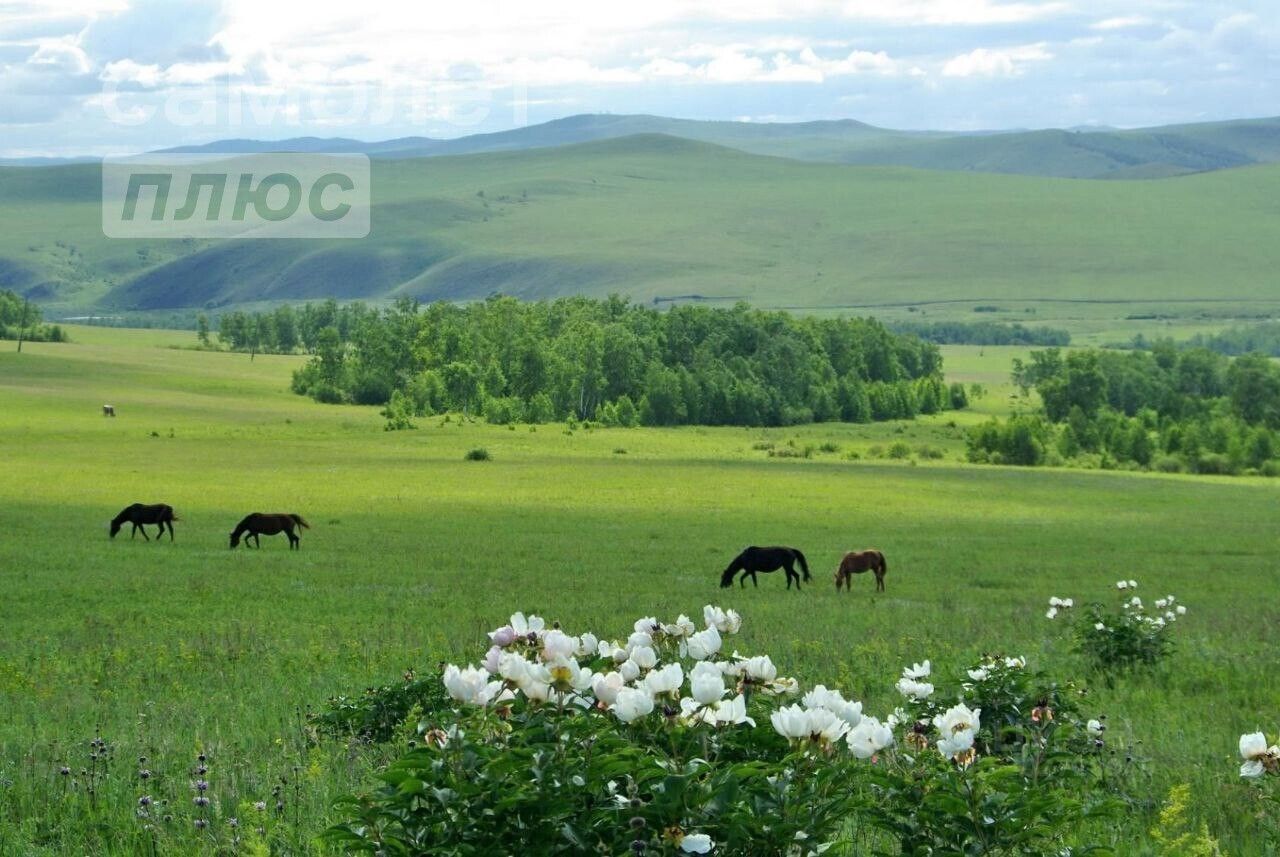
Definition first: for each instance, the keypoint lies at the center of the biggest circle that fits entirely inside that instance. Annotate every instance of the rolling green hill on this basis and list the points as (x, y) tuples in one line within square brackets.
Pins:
[(656, 216), (1100, 153)]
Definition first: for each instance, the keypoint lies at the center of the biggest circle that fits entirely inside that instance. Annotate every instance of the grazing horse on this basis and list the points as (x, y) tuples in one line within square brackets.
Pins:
[(268, 525), (754, 559), (856, 562), (138, 514), (108, 410)]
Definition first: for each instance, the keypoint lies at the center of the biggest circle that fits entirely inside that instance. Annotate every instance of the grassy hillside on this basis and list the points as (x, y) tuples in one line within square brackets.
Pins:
[(655, 216), (168, 650), (1101, 153)]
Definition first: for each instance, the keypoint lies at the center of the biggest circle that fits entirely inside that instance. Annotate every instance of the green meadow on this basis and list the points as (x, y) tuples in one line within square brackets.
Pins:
[(167, 651)]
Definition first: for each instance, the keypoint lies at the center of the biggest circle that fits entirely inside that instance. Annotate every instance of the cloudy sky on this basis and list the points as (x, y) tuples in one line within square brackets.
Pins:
[(107, 76)]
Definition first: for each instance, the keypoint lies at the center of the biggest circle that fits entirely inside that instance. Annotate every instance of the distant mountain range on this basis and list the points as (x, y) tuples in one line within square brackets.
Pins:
[(1077, 153)]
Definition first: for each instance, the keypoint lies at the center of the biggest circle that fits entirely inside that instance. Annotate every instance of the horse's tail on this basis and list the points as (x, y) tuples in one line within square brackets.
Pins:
[(884, 563), (804, 565), (297, 519)]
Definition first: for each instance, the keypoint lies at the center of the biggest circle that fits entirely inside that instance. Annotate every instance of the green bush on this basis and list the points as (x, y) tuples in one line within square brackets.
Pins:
[(477, 454)]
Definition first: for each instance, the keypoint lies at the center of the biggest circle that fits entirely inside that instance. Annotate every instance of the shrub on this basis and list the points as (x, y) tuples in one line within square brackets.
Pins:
[(399, 412), (477, 454), (829, 447), (900, 450), (664, 744), (1126, 636), (1168, 464), (926, 451), (378, 713), (762, 445)]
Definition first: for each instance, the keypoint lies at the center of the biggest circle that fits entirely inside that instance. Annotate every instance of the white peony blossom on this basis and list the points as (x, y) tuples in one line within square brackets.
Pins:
[(1051, 613), (647, 625), (724, 621), (644, 657), (524, 626), (869, 737), (696, 843), (1098, 626), (1180, 610), (957, 718), (470, 685), (706, 683), (703, 644), (556, 644), (629, 670), (980, 673), (1122, 584), (638, 639), (759, 669), (1096, 728), (733, 711), (683, 627), (831, 700), (632, 704), (665, 680), (918, 671), (956, 744), (607, 686), (1256, 754), (914, 689), (587, 645), (1015, 663), (791, 722)]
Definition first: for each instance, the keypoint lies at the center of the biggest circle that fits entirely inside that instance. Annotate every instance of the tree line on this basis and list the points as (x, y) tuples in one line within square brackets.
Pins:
[(982, 333), (1170, 409), (21, 319), (1263, 338), (622, 364)]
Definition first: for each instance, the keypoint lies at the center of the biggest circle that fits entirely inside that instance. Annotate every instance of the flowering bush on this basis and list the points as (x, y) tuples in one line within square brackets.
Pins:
[(1125, 636), (379, 712), (670, 742)]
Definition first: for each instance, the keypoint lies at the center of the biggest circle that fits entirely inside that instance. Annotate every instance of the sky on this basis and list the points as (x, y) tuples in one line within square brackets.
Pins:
[(86, 77)]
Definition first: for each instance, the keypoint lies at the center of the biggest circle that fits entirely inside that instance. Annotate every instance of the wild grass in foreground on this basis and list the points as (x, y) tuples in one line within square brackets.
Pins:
[(169, 651)]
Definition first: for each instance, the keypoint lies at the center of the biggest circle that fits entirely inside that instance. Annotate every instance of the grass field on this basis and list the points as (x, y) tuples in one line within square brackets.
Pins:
[(168, 650)]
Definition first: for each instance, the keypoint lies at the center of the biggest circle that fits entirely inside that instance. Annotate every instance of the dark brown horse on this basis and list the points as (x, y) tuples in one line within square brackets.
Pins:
[(268, 525), (856, 562), (754, 559), (139, 514)]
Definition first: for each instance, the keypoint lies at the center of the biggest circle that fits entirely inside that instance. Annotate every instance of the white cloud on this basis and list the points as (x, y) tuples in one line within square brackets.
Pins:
[(992, 62), (1121, 23)]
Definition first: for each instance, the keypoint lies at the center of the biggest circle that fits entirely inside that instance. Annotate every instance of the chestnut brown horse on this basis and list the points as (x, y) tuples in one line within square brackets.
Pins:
[(856, 562), (139, 514), (268, 525)]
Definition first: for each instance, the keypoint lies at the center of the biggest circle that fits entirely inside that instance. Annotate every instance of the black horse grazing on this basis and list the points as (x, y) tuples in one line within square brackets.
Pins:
[(755, 559), (268, 525), (138, 515)]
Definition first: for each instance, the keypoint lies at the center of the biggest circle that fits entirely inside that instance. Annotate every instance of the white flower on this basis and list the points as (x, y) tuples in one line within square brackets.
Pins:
[(956, 744), (869, 737), (1161, 602), (703, 644), (759, 669), (470, 685), (1068, 603), (918, 671), (980, 673), (1181, 611), (696, 843), (503, 636), (665, 680), (1096, 728), (1051, 613), (1122, 584), (492, 659), (556, 644), (1158, 622), (525, 626), (791, 722), (831, 700), (607, 686), (638, 639), (914, 689), (587, 644), (681, 628), (629, 670), (1133, 584), (612, 650), (898, 717), (825, 726), (733, 711), (957, 718), (706, 683), (1055, 601), (1015, 663), (1254, 751), (536, 683), (1170, 616), (724, 621), (513, 667), (693, 712), (1136, 602), (1098, 626), (647, 625), (644, 657), (632, 703)]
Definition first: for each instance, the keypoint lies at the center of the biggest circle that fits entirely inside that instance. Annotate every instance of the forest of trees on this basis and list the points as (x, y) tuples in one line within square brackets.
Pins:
[(1263, 338), (1166, 409), (982, 333), (286, 329), (615, 362), (21, 318)]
